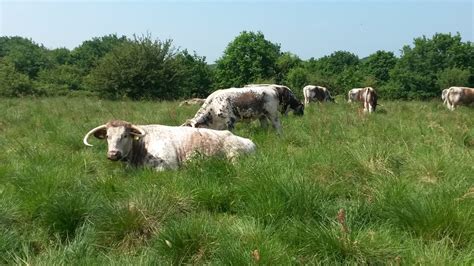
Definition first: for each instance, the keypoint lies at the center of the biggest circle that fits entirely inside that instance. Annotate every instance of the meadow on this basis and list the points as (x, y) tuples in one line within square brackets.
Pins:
[(339, 187)]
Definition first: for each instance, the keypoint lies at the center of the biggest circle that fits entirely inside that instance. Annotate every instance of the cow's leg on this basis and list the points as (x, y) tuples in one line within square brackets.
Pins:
[(276, 124), (158, 164), (263, 121), (231, 123)]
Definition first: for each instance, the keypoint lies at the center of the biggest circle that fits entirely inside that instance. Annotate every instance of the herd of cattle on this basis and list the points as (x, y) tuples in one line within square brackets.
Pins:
[(208, 132)]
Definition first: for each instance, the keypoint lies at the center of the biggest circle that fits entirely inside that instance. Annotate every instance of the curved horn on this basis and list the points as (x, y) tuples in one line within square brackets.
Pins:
[(141, 134), (92, 132)]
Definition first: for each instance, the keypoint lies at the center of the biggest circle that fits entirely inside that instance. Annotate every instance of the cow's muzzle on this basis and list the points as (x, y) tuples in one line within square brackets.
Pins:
[(114, 155)]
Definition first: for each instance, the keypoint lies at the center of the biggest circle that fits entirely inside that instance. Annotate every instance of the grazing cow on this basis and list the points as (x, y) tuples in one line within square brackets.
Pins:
[(223, 108), (366, 95), (370, 99), (355, 95), (165, 147), (314, 93), (459, 95), (192, 101)]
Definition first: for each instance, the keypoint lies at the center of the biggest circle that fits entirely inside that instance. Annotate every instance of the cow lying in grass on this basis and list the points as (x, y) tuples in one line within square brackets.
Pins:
[(223, 108), (165, 147)]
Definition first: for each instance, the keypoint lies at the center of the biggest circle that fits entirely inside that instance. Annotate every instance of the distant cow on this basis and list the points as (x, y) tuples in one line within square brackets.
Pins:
[(223, 108), (355, 95), (165, 147), (459, 95), (366, 95), (192, 101), (314, 93)]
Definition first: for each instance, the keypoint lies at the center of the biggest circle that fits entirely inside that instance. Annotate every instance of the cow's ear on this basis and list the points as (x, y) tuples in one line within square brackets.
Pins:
[(101, 133), (137, 132)]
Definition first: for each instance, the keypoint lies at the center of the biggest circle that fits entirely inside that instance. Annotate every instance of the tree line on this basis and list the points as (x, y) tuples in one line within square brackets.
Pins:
[(116, 67)]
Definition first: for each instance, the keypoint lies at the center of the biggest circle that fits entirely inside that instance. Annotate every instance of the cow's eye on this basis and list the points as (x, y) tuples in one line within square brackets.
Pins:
[(125, 136)]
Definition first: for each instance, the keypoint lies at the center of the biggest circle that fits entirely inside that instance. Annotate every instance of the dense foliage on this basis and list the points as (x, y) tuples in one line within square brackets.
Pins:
[(403, 176), (143, 68)]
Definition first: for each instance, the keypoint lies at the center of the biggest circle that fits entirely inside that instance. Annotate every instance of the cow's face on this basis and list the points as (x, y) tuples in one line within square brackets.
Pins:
[(120, 137), (119, 141), (299, 109)]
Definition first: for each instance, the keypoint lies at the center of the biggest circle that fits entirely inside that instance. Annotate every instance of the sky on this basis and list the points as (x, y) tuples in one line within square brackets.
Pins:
[(305, 28)]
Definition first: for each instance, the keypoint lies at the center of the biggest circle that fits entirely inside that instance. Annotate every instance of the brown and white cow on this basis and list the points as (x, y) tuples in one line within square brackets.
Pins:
[(166, 147), (314, 93), (223, 108), (367, 95), (459, 96), (354, 95)]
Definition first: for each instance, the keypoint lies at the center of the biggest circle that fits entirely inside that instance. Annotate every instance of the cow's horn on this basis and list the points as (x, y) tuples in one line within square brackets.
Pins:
[(141, 134), (89, 134)]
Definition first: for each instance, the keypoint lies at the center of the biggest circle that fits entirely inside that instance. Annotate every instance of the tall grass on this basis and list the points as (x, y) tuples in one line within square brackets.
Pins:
[(339, 187)]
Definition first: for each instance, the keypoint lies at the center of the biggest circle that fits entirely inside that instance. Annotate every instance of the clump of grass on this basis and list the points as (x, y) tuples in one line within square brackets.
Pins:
[(213, 179), (336, 241), (123, 225), (189, 240), (431, 215), (64, 213), (10, 244)]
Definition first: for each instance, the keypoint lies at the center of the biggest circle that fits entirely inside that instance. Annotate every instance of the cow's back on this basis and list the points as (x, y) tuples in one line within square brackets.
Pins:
[(178, 144)]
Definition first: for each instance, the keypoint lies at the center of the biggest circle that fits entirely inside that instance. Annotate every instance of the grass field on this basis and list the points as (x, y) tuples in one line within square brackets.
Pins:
[(403, 177)]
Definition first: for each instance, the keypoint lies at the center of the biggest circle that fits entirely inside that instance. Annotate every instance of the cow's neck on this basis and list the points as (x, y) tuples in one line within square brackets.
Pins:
[(138, 153)]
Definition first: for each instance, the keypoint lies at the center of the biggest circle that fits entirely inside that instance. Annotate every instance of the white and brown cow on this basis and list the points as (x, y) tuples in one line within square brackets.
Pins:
[(223, 108), (367, 95), (459, 96), (314, 93), (354, 95), (166, 147)]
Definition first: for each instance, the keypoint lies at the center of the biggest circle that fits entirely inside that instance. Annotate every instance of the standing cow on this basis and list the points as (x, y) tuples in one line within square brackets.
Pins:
[(314, 93), (165, 147), (367, 95), (223, 108), (456, 96)]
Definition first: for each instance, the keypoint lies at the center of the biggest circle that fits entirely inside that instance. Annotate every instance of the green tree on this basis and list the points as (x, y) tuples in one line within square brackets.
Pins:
[(336, 63), (60, 56), (139, 69), (12, 82), (26, 56), (285, 63), (453, 77), (87, 55), (249, 57), (59, 80), (297, 78), (197, 75), (379, 65), (417, 70)]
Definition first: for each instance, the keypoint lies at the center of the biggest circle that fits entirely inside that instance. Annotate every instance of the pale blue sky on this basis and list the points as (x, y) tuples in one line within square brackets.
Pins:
[(306, 28)]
